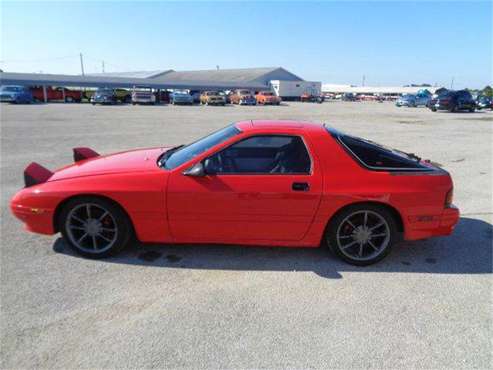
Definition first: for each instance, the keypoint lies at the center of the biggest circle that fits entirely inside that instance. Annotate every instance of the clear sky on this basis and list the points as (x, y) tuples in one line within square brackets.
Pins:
[(391, 43)]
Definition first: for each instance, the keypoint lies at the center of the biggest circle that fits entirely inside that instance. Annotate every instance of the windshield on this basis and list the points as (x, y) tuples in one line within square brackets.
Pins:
[(184, 154), (267, 93), (12, 88), (142, 88), (445, 94), (180, 93)]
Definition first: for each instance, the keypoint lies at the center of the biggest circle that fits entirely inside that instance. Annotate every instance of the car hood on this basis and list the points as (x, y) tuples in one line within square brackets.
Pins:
[(131, 161)]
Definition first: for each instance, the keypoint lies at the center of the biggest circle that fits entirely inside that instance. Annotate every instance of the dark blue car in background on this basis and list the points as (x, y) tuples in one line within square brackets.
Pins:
[(15, 94)]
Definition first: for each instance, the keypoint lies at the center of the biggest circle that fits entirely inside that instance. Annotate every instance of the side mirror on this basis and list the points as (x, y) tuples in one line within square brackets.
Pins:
[(197, 170), (209, 167)]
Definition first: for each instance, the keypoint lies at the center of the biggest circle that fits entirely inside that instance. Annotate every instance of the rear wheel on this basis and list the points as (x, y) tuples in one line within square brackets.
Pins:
[(95, 227), (362, 234)]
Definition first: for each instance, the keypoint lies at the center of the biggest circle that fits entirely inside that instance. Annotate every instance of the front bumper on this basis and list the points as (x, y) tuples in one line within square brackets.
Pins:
[(102, 101), (247, 102), (423, 227), (35, 219), (7, 98), (143, 100), (216, 102)]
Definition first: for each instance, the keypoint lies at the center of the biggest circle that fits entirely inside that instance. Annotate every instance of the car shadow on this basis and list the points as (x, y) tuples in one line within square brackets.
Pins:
[(467, 251)]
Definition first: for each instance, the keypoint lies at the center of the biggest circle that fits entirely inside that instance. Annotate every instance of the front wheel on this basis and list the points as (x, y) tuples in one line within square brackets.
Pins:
[(95, 227), (362, 234)]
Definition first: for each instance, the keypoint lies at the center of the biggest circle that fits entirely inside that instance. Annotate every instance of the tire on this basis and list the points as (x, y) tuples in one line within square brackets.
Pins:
[(103, 232), (69, 99), (346, 232), (472, 110)]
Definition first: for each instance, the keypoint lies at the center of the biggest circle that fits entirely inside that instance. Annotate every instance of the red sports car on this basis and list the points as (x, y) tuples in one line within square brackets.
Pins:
[(280, 183)]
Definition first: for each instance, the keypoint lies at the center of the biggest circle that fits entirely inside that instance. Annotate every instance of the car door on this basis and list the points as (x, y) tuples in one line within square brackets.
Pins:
[(257, 189)]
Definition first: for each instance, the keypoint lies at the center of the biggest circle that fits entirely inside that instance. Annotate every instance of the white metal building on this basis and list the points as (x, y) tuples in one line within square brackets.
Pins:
[(374, 90)]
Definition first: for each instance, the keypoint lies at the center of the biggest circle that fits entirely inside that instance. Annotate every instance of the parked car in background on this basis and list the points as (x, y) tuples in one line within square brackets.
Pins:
[(56, 93), (310, 98), (348, 97), (243, 97), (123, 96), (104, 96), (195, 95), (454, 101), (181, 97), (162, 96), (212, 98), (484, 102), (423, 97), (15, 94), (406, 100), (422, 100), (267, 97), (143, 95)]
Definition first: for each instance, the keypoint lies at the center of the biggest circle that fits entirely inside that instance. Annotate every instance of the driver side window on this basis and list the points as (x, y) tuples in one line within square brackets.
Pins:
[(265, 154)]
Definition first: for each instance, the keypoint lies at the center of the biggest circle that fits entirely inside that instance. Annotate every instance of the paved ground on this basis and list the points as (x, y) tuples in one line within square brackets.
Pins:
[(428, 305)]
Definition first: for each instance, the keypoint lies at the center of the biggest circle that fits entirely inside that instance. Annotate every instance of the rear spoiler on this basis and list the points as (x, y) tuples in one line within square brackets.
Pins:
[(36, 174), (84, 153)]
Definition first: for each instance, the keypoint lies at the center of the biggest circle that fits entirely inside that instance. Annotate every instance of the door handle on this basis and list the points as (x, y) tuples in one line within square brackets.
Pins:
[(300, 186)]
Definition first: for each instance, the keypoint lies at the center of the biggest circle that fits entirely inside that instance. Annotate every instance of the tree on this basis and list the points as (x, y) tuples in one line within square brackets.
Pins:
[(488, 91)]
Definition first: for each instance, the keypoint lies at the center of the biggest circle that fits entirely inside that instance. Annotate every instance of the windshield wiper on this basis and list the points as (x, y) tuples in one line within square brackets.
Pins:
[(163, 157)]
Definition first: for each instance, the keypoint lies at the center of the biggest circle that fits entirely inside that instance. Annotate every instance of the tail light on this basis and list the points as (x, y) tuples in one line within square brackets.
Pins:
[(449, 198)]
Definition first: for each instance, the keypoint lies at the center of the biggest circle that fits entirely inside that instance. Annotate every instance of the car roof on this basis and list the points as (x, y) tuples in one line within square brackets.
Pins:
[(275, 125)]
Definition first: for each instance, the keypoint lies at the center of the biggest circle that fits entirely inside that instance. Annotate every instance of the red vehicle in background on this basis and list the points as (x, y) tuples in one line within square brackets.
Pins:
[(162, 96), (283, 183), (310, 98), (267, 97), (57, 93)]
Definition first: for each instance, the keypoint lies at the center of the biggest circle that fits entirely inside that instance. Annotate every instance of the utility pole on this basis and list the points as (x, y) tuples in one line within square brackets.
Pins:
[(363, 82), (102, 65), (452, 83), (81, 64)]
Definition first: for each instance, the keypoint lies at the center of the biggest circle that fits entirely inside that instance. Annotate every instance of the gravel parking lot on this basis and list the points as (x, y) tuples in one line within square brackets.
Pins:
[(428, 305)]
